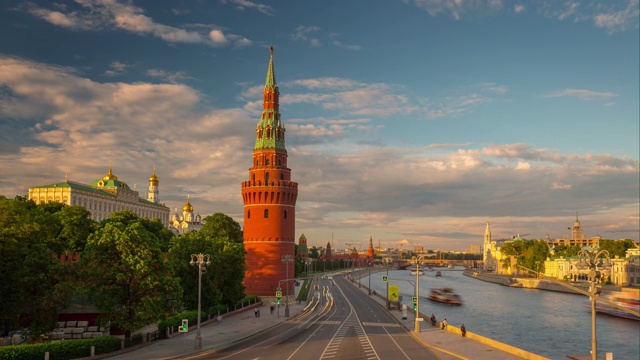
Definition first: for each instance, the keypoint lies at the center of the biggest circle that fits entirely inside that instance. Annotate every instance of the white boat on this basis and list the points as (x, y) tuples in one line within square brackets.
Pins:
[(450, 266), (445, 296), (414, 271), (624, 300)]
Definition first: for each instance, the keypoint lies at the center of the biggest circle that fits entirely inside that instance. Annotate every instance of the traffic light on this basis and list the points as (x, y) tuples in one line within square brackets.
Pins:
[(185, 326), (278, 301), (415, 307), (385, 278)]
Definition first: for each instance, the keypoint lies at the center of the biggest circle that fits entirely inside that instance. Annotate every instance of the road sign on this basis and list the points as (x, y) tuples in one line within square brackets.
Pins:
[(385, 278), (185, 326), (393, 293), (414, 299), (278, 294)]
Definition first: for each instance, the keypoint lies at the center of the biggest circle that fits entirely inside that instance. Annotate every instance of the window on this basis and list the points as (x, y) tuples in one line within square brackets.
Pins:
[(266, 162), (285, 214), (248, 214), (266, 178), (281, 176), (266, 213)]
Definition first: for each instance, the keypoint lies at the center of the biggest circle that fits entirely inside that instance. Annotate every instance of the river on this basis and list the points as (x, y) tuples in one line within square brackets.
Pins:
[(547, 323)]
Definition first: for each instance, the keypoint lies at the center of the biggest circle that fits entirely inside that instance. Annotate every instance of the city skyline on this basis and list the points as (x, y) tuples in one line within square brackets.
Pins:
[(413, 131)]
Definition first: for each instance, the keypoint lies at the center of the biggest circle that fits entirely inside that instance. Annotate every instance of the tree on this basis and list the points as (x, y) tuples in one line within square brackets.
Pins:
[(616, 247), (125, 274), (179, 256), (76, 226), (32, 284)]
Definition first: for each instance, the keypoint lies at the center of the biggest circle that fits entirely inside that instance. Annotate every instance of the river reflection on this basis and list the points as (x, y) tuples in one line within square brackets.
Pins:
[(547, 323)]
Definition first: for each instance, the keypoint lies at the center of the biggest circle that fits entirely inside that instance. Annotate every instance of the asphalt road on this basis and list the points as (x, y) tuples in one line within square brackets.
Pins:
[(340, 323)]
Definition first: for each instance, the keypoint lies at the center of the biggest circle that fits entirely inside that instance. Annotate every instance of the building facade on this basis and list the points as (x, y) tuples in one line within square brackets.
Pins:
[(105, 196), (269, 198)]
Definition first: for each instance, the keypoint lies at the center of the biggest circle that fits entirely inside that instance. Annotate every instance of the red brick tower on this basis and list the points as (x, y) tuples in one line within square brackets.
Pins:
[(269, 202)]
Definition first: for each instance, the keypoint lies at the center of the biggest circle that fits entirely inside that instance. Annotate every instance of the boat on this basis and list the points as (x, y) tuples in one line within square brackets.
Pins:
[(620, 299), (445, 296), (438, 273), (419, 272), (450, 266)]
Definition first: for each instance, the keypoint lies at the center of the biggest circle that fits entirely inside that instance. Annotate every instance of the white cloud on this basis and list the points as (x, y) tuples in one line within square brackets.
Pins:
[(302, 33), (242, 4), (519, 8), (172, 77), (583, 94), (116, 68), (95, 15), (619, 20)]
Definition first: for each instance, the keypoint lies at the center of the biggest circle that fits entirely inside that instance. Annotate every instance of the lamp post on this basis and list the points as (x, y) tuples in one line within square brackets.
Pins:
[(417, 260), (593, 260), (200, 260), (286, 259), (387, 260), (369, 263)]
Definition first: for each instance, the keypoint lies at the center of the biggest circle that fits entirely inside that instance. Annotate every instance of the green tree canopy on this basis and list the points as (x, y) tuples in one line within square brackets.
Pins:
[(32, 282), (125, 273)]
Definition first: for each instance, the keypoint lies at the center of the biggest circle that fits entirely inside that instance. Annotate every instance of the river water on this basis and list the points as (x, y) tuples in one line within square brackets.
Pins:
[(547, 323)]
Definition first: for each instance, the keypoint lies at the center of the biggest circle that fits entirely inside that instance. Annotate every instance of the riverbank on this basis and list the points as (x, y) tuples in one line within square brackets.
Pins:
[(539, 284)]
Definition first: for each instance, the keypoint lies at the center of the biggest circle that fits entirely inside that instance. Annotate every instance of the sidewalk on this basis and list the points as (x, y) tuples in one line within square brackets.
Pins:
[(232, 328)]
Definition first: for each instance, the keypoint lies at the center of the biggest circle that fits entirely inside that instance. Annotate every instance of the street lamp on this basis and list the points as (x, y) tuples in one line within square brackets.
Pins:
[(387, 260), (200, 260), (593, 260), (417, 260), (286, 259), (369, 263)]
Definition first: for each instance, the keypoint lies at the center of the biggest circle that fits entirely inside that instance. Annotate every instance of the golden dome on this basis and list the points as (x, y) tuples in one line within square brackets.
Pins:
[(153, 177), (110, 176), (187, 207)]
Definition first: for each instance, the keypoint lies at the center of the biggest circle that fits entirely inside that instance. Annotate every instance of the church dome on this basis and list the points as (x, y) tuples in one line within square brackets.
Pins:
[(187, 206), (110, 176), (154, 178)]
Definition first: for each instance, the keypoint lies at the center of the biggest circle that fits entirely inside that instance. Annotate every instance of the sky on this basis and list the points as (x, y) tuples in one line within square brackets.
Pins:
[(412, 122)]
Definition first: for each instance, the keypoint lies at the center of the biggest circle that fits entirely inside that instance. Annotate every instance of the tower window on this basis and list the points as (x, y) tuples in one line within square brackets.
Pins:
[(266, 162), (266, 178), (285, 214), (266, 213), (248, 214), (281, 176), (279, 162)]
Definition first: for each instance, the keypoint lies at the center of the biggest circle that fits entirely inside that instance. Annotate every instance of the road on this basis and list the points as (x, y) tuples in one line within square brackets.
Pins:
[(340, 323)]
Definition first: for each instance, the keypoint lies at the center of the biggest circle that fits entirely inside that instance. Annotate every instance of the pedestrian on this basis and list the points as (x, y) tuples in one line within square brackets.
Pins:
[(433, 320), (255, 312), (272, 308), (444, 324), (463, 330)]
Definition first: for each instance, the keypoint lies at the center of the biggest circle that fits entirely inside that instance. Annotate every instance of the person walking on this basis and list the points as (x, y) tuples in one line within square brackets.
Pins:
[(444, 324), (463, 330)]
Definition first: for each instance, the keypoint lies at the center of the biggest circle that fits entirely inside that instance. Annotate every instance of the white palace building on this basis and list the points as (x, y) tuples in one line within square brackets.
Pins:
[(105, 196)]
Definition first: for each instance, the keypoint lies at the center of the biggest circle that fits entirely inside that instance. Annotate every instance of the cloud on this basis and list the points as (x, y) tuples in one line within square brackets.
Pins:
[(619, 20), (243, 4), (302, 33), (96, 15), (614, 16), (116, 68), (172, 77), (583, 94)]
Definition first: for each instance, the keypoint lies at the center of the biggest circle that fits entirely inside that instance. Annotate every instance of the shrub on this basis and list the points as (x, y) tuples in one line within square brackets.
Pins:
[(61, 350)]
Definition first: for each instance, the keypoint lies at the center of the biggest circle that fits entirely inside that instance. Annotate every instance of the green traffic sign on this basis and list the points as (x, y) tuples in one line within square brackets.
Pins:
[(385, 278)]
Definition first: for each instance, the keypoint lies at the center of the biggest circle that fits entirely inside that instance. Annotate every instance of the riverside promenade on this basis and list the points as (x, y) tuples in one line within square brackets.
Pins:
[(446, 344)]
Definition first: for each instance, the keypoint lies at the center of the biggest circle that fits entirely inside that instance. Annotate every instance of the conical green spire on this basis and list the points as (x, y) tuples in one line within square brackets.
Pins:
[(271, 74), (270, 132)]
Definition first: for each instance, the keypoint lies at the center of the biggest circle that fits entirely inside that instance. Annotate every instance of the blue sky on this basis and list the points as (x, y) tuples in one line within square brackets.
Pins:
[(413, 122)]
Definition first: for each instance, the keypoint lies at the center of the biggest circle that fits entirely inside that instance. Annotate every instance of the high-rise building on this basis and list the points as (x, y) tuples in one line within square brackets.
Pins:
[(105, 196), (269, 198)]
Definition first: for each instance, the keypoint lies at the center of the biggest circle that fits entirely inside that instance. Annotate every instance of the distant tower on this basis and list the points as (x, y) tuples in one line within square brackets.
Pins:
[(370, 249), (154, 192), (269, 198), (487, 258), (303, 251), (576, 230), (327, 253)]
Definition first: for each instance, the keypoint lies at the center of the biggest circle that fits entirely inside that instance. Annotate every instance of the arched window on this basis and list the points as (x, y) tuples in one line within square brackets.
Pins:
[(266, 213), (279, 162), (285, 214), (266, 178), (266, 162), (281, 176), (248, 214)]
